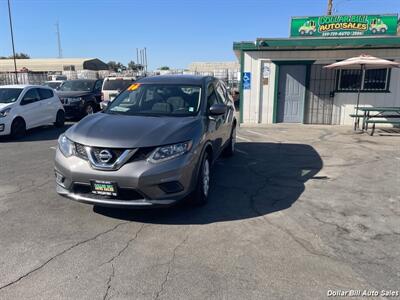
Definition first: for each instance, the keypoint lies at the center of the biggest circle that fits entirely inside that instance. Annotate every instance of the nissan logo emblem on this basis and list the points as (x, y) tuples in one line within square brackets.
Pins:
[(105, 156)]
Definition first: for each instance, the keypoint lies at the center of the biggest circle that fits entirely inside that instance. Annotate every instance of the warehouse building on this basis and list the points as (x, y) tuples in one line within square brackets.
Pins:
[(37, 70), (284, 80)]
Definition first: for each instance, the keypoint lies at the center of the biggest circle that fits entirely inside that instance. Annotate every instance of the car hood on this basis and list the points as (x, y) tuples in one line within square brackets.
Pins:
[(5, 105), (121, 131), (72, 94)]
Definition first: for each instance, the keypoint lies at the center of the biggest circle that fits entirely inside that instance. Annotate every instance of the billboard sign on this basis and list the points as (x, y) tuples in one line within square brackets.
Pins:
[(344, 26)]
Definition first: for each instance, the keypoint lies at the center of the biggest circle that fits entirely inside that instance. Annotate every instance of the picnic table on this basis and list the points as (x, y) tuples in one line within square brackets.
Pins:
[(376, 115)]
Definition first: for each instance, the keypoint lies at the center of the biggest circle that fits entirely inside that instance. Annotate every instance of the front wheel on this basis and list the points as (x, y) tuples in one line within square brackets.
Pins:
[(200, 195), (60, 119), (18, 128)]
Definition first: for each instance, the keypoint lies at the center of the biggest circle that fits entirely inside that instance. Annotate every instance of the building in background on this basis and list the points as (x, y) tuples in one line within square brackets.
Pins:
[(284, 79), (38, 70)]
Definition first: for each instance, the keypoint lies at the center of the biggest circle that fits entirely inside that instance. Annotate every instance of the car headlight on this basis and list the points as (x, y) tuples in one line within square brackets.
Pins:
[(66, 146), (5, 112), (169, 152)]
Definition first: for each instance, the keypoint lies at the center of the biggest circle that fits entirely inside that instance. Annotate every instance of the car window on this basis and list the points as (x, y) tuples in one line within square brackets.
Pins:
[(9, 95), (45, 94), (97, 86), (221, 93), (30, 96), (116, 84), (211, 96)]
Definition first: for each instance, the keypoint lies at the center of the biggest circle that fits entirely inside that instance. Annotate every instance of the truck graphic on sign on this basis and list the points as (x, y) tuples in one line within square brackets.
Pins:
[(377, 26), (309, 28)]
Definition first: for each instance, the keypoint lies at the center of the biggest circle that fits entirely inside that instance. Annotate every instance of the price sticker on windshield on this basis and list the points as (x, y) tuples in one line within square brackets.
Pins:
[(134, 87)]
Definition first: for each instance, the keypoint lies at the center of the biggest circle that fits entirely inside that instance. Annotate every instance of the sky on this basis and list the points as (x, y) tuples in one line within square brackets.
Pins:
[(175, 32)]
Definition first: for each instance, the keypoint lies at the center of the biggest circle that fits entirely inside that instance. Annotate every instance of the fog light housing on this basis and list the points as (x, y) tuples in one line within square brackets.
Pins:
[(171, 187), (1, 127), (59, 179)]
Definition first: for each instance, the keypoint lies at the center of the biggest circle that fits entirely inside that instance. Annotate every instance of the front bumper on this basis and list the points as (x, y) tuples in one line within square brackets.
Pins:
[(5, 126), (143, 178), (72, 111)]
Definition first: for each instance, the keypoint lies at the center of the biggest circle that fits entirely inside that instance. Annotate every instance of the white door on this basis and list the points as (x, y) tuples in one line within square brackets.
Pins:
[(48, 104), (31, 108)]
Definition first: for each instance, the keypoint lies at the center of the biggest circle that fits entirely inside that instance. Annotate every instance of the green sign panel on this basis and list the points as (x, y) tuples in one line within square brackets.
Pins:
[(344, 26)]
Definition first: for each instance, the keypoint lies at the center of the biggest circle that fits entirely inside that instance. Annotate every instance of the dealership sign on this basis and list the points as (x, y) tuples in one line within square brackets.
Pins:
[(344, 26)]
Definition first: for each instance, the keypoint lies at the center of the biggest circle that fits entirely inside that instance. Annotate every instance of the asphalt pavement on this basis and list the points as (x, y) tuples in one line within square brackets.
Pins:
[(298, 211)]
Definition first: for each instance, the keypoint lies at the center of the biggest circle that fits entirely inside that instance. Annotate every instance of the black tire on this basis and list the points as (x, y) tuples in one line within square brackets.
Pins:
[(89, 109), (374, 31), (18, 128), (302, 32), (383, 30), (200, 195), (230, 148), (60, 119)]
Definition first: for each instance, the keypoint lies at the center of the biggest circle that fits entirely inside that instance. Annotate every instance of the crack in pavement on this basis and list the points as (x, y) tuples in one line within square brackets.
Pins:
[(61, 253), (120, 252), (170, 262), (109, 282)]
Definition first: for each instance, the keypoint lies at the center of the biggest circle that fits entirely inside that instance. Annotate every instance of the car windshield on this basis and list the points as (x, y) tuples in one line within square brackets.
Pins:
[(157, 100), (9, 95), (77, 85), (116, 84), (53, 85)]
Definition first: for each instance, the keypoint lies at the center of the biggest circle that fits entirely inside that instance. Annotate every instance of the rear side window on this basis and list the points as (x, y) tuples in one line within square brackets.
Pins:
[(116, 84), (45, 94)]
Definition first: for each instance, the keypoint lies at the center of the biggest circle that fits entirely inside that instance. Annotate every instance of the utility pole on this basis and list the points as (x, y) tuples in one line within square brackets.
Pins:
[(12, 42), (330, 7), (59, 40)]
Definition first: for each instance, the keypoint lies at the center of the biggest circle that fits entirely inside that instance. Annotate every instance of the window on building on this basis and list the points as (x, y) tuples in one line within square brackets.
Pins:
[(368, 80)]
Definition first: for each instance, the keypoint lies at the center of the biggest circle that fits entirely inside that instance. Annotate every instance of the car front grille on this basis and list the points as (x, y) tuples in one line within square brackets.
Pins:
[(140, 154)]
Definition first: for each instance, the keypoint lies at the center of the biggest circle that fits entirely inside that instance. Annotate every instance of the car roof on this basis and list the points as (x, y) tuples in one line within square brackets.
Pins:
[(175, 79), (22, 86), (83, 80)]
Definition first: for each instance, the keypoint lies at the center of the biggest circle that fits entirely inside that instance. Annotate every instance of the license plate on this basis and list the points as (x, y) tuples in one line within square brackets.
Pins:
[(106, 188)]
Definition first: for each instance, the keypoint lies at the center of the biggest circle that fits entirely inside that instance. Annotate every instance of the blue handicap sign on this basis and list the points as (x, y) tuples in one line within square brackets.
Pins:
[(246, 80)]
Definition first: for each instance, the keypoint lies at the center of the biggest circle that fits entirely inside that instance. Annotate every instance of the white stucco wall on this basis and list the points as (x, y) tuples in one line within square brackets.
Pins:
[(258, 101)]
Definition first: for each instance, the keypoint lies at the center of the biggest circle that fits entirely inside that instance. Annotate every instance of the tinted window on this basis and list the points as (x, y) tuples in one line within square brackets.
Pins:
[(368, 80), (9, 95), (78, 85), (211, 96), (30, 96), (157, 99), (98, 85), (45, 94), (116, 84)]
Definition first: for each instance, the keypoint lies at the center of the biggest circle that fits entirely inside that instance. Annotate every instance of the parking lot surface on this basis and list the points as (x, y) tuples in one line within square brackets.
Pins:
[(299, 210)]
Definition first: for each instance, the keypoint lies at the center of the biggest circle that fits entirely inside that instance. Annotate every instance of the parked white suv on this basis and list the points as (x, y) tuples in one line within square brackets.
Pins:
[(24, 107), (112, 86)]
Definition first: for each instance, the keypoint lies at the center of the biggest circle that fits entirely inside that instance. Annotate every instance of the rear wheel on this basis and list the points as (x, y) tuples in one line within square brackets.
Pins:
[(60, 119), (18, 128), (200, 195)]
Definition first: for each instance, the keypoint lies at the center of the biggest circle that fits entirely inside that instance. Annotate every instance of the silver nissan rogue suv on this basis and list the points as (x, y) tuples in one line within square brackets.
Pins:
[(154, 145)]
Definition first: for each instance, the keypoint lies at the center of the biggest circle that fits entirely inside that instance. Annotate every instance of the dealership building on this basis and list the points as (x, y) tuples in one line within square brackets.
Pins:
[(284, 80)]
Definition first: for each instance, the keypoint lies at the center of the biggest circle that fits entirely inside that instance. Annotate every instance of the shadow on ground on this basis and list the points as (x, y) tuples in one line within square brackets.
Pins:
[(44, 133), (260, 179)]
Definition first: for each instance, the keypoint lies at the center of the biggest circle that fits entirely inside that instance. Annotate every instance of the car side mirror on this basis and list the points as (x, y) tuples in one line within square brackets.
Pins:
[(104, 105), (217, 109)]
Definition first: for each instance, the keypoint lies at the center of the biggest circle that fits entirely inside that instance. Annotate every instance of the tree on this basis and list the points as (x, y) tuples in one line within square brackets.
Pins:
[(164, 68), (134, 67), (116, 66), (17, 56)]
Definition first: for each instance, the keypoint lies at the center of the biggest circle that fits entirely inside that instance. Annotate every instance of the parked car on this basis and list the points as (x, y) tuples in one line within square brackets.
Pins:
[(154, 145), (80, 97), (27, 106), (112, 86), (54, 84)]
